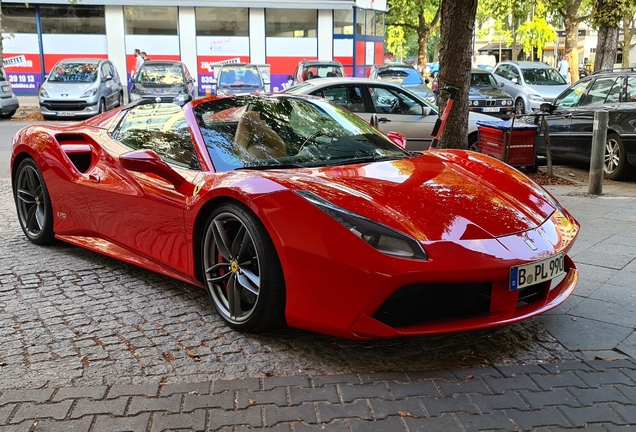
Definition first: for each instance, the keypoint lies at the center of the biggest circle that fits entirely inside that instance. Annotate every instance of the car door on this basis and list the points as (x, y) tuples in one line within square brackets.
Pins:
[(560, 121), (602, 94), (140, 211), (502, 74), (106, 85)]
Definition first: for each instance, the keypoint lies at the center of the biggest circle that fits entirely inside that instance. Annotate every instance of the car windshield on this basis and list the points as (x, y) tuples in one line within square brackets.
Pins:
[(162, 73), (2, 76), (542, 76), (268, 132), (74, 72), (401, 76), (323, 71), (301, 88), (478, 79), (239, 76)]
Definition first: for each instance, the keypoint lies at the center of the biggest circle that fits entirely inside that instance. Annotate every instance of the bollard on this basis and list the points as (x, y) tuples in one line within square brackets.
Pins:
[(599, 139)]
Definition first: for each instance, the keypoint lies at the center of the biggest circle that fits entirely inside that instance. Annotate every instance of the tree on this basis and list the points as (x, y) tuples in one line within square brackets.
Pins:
[(536, 33), (509, 16), (457, 26), (569, 11), (606, 16), (420, 16), (629, 31)]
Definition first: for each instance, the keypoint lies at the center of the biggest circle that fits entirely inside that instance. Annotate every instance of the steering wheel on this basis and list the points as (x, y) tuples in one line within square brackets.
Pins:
[(394, 105)]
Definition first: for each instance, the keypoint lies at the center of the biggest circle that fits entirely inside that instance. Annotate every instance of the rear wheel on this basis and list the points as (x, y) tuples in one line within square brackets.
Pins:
[(33, 203), (615, 164), (243, 275), (520, 107)]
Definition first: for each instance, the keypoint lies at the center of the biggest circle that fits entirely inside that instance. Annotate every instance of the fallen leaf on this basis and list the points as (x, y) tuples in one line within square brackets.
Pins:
[(3, 364), (251, 401), (194, 355), (194, 392), (469, 377), (330, 374), (406, 414), (606, 358), (572, 174), (268, 374), (573, 318)]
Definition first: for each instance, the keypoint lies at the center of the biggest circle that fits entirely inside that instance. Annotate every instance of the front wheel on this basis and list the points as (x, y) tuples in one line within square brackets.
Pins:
[(615, 164), (101, 109), (8, 114), (33, 203), (520, 107), (243, 275), (120, 99)]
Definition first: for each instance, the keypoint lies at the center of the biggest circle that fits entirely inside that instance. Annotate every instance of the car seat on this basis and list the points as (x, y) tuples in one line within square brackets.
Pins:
[(228, 78), (256, 139), (331, 74)]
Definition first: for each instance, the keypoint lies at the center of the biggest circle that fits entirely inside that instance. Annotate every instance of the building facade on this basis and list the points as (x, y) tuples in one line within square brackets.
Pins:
[(199, 33)]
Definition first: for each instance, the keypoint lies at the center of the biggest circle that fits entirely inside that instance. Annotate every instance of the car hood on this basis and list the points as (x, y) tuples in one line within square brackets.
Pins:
[(547, 92), (420, 89), (441, 195), (152, 89), (486, 92), (68, 90)]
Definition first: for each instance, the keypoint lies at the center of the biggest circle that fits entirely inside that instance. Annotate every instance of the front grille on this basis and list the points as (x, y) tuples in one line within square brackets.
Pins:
[(169, 99), (491, 102), (65, 105), (420, 303), (532, 293)]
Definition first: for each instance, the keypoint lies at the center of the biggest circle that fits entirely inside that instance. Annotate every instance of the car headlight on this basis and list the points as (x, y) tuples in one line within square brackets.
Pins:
[(566, 228), (535, 98), (384, 239), (89, 93), (43, 93), (134, 97), (475, 102), (180, 99)]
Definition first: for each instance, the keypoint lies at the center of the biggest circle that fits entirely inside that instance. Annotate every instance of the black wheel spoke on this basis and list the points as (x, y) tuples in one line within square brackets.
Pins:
[(234, 297), (31, 218), (215, 269), (239, 241), (26, 196), (222, 241), (249, 281)]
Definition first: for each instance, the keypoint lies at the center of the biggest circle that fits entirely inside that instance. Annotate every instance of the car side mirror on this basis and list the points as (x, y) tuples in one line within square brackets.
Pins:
[(147, 161), (107, 78), (290, 77), (514, 80), (426, 111), (427, 81), (501, 85), (397, 138), (131, 79), (547, 107)]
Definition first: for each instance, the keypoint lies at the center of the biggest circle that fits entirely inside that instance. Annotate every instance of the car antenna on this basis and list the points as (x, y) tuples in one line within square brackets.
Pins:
[(441, 121)]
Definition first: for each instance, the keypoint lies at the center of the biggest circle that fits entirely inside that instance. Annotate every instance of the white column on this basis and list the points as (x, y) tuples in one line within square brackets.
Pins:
[(115, 41), (325, 34), (257, 36), (188, 40)]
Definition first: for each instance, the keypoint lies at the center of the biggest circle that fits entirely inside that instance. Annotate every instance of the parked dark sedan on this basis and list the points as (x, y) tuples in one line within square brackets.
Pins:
[(486, 96), (169, 81), (571, 121)]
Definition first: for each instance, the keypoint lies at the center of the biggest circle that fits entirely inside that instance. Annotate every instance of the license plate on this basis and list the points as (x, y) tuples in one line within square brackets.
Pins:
[(491, 109), (536, 272), (65, 113)]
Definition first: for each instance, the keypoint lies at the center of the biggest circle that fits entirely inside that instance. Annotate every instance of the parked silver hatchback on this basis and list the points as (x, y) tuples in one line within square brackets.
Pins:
[(8, 101), (80, 88)]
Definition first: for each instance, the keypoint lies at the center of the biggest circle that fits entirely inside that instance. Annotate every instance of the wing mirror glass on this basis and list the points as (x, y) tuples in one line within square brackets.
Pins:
[(147, 161), (514, 80), (546, 107)]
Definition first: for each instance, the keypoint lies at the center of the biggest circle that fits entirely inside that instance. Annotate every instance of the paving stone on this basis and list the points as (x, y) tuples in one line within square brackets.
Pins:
[(393, 424), (458, 403), (192, 388), (334, 426), (471, 386), (359, 409), (564, 379), (596, 395), (37, 396), (601, 365), (628, 412), (121, 424), (497, 421), (528, 420), (595, 379), (501, 385), (250, 416), (114, 407), (383, 409), (133, 390), (29, 410), (383, 377), (445, 423), (488, 403), (376, 391), (514, 370), (580, 417), (280, 427), (96, 392), (194, 421), (465, 373), (301, 395), (223, 400), (305, 413), (293, 381), (538, 400), (402, 391), (22, 427), (5, 412), (141, 404), (416, 376), (277, 396), (321, 380), (81, 425), (555, 368), (224, 385), (630, 392)]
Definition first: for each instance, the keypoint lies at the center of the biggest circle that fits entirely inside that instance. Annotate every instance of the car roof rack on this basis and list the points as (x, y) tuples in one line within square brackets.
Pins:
[(620, 69)]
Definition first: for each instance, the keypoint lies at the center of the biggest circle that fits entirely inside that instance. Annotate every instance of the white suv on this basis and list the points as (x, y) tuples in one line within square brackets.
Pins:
[(8, 102)]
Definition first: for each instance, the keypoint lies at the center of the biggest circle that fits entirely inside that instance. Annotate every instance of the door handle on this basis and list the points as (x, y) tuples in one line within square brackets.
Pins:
[(384, 120), (567, 115)]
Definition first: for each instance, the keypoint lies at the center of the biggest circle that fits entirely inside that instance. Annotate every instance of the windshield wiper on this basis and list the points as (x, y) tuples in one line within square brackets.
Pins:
[(362, 159), (267, 167)]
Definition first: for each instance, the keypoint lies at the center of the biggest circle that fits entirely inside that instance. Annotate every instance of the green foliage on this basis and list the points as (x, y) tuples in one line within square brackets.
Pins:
[(609, 13), (536, 33), (405, 15)]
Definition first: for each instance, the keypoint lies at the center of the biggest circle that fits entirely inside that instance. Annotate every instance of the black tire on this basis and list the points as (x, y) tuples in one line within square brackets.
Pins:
[(615, 165), (33, 203), (101, 109), (473, 142), (239, 257), (8, 114), (520, 106), (120, 99)]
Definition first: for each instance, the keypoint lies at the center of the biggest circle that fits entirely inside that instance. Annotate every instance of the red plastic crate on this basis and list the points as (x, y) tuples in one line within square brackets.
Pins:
[(516, 147)]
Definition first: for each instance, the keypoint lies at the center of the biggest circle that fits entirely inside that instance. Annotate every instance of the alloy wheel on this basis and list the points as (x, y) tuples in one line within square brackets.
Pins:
[(612, 155), (31, 202)]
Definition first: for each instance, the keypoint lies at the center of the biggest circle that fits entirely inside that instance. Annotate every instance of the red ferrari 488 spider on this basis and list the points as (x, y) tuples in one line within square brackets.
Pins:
[(290, 209)]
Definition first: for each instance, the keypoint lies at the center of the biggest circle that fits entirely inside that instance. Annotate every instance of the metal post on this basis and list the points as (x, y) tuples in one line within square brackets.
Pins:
[(599, 138)]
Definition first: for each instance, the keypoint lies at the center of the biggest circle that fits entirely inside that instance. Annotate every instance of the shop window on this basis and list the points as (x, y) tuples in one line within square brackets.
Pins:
[(213, 21), (291, 22), (18, 19), (379, 23), (343, 22), (360, 21), (370, 23), (73, 19), (151, 20)]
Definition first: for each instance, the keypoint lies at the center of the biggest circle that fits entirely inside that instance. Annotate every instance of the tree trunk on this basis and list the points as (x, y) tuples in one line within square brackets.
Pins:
[(572, 37), (606, 48), (423, 31), (1, 46), (458, 23), (628, 34)]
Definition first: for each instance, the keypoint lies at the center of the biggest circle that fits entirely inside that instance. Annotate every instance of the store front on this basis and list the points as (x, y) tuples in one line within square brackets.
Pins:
[(281, 34)]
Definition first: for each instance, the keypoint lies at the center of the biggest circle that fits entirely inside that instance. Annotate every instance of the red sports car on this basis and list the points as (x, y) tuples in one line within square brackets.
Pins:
[(290, 209)]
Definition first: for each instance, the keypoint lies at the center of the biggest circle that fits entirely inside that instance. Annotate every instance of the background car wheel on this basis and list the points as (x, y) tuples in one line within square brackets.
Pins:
[(243, 275), (520, 107), (33, 203), (473, 142), (8, 114), (120, 100), (615, 164), (102, 107)]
